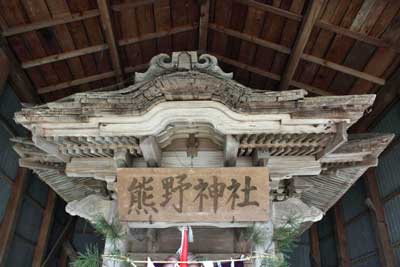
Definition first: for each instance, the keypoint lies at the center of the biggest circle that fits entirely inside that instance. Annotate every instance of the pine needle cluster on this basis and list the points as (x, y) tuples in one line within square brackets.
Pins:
[(111, 231), (90, 258)]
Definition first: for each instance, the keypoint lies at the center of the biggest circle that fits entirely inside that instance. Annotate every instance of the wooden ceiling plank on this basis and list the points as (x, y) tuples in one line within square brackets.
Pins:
[(88, 79), (45, 229), (178, 8), (321, 24), (162, 16), (50, 23), (271, 9), (272, 31), (307, 57), (253, 27), (59, 9), (224, 11), (63, 56), (146, 25), (80, 37), (36, 48), (322, 43), (129, 30), (76, 82), (106, 22), (341, 68), (132, 5), (288, 36), (340, 235), (9, 221), (155, 35), (304, 34), (271, 75), (338, 49), (39, 11), (379, 62), (203, 28), (96, 37), (385, 248)]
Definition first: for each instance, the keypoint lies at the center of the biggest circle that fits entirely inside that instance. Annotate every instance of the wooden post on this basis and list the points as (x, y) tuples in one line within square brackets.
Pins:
[(11, 214), (5, 69), (108, 30), (203, 28), (315, 253), (230, 151), (385, 249), (151, 151), (45, 229), (301, 41), (340, 234)]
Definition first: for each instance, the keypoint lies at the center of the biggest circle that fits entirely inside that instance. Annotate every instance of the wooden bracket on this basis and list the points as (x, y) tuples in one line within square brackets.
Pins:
[(339, 139), (230, 151), (151, 151)]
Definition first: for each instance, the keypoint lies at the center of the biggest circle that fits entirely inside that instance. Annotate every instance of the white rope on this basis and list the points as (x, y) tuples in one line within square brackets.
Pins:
[(232, 261)]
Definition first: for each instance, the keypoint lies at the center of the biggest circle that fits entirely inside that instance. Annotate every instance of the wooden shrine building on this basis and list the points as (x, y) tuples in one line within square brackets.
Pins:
[(188, 145)]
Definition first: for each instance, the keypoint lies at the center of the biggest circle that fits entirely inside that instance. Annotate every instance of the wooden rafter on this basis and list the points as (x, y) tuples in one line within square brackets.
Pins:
[(271, 75), (385, 249), (45, 229), (155, 35), (310, 58), (88, 79), (203, 29), (108, 30), (300, 43), (340, 233), (50, 23), (63, 56), (321, 24), (11, 214)]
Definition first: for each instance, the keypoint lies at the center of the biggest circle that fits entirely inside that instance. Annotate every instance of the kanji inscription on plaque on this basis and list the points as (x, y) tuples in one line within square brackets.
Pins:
[(193, 194)]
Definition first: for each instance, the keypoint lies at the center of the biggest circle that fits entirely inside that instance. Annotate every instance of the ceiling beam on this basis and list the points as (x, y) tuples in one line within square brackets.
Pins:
[(9, 221), (45, 229), (310, 58), (108, 30), (302, 38), (102, 47), (385, 249), (340, 234), (154, 35), (88, 79), (50, 23), (203, 29), (63, 56), (76, 82), (321, 24), (273, 76)]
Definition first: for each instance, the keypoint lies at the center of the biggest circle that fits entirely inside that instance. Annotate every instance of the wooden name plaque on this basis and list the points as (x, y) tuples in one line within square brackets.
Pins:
[(193, 194)]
